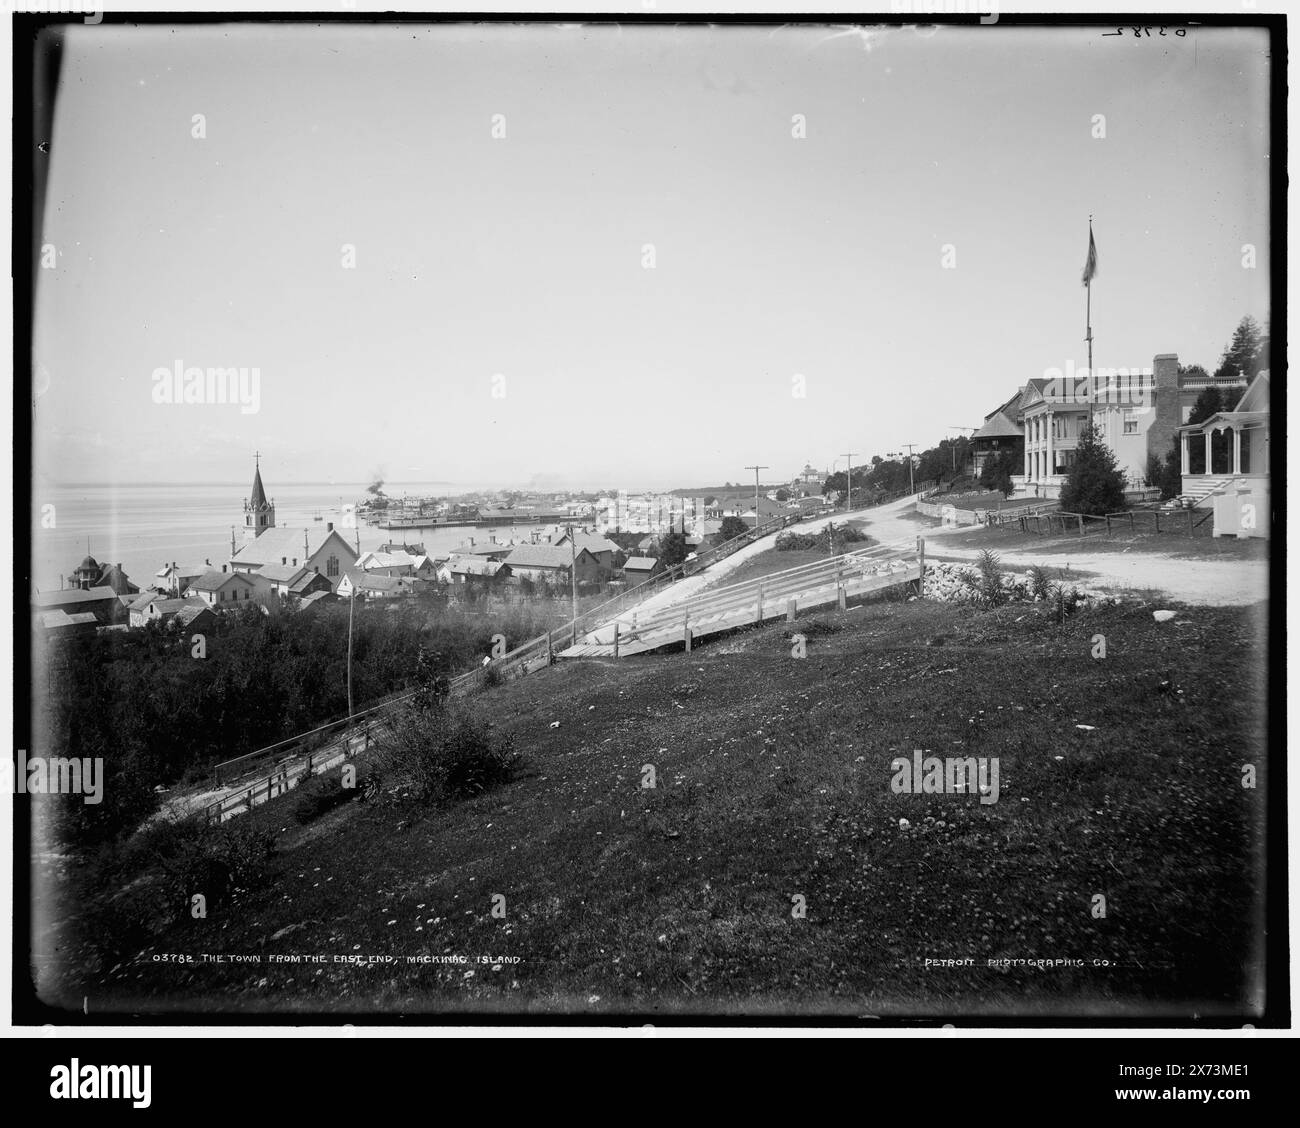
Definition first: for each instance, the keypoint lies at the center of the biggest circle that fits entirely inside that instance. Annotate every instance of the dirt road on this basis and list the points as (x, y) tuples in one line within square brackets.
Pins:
[(1219, 583)]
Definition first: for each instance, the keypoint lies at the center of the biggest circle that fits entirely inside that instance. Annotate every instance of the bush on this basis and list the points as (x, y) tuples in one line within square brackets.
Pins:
[(841, 537), (221, 862), (322, 797), (1040, 587), (989, 583), (446, 755)]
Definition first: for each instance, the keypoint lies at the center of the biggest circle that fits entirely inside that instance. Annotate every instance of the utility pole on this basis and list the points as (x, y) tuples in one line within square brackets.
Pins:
[(756, 469), (911, 482), (573, 583), (352, 599), (952, 427), (849, 456)]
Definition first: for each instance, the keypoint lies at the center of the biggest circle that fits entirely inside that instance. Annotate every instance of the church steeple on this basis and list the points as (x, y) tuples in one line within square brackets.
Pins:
[(259, 514)]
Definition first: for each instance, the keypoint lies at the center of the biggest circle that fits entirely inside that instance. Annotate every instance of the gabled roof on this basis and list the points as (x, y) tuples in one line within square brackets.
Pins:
[(999, 425), (286, 543), (592, 542), (186, 615), (72, 595), (367, 582), (471, 566), (640, 563), (215, 581), (303, 582), (545, 556), (282, 573), (173, 606), (317, 597), (1257, 395)]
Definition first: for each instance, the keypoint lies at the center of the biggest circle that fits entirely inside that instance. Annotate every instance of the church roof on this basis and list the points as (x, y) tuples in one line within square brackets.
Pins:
[(284, 542), (258, 498), (88, 564)]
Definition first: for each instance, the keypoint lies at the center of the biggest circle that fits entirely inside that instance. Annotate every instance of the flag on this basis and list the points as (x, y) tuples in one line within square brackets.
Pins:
[(1090, 267)]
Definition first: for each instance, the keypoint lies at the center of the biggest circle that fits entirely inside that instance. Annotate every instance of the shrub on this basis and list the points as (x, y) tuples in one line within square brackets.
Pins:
[(841, 537), (221, 862), (989, 583), (1040, 587), (318, 798), (446, 755)]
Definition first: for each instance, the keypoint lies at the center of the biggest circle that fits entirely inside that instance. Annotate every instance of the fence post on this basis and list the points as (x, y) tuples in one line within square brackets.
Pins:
[(1132, 527), (1108, 524), (791, 606), (1157, 513), (615, 638), (920, 553), (1080, 524), (758, 612), (550, 658), (840, 594), (686, 632)]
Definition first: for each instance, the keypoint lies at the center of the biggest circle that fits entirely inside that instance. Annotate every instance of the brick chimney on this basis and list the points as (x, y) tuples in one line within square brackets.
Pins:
[(1168, 405)]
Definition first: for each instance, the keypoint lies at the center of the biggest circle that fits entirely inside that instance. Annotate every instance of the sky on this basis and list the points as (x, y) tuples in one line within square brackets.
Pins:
[(906, 264)]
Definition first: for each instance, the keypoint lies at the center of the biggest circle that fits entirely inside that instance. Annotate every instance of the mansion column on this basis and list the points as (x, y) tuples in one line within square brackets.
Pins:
[(1047, 436), (1236, 451), (1187, 454), (1209, 456)]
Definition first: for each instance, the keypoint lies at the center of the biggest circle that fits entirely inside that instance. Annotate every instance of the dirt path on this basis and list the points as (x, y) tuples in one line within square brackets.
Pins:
[(1221, 583)]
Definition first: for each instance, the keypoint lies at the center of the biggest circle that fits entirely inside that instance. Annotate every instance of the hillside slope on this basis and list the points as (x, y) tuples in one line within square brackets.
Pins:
[(773, 781)]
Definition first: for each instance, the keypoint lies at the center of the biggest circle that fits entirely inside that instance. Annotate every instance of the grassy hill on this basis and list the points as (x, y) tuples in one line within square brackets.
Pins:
[(773, 780)]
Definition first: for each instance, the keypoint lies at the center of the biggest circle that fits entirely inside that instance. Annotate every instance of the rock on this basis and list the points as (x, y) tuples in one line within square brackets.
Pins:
[(1162, 616), (903, 824)]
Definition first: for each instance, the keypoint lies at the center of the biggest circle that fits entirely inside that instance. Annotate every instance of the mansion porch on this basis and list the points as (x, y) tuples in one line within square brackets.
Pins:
[(1226, 461)]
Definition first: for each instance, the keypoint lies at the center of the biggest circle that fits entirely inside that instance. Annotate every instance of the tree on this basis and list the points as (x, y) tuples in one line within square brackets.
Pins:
[(1242, 357), (673, 547), (996, 472), (783, 495), (731, 527), (1094, 485)]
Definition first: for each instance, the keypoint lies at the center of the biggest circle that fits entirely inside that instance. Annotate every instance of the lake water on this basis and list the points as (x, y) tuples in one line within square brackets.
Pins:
[(143, 527)]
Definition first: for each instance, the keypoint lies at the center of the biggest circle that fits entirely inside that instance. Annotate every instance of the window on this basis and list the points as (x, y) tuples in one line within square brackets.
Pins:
[(332, 566), (1130, 423)]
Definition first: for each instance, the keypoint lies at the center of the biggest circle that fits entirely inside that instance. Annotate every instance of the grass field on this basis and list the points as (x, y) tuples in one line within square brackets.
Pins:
[(773, 783)]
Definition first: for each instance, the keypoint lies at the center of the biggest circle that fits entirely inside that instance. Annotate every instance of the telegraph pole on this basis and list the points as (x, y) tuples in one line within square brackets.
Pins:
[(849, 456), (573, 582), (352, 599), (756, 469), (911, 482)]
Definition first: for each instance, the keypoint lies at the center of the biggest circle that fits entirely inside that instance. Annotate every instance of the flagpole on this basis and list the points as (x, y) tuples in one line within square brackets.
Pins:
[(1088, 287)]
